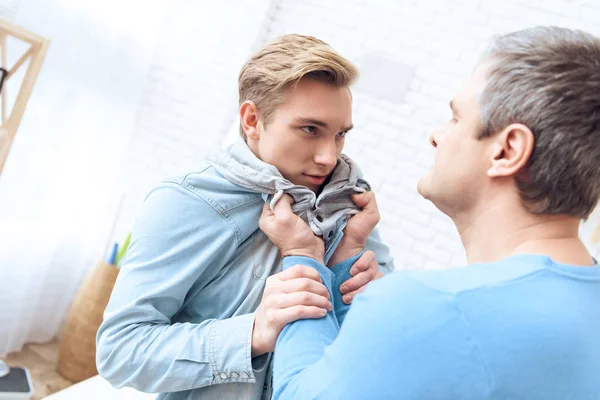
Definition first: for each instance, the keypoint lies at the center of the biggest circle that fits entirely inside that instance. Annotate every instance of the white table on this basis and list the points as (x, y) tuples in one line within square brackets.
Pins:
[(97, 388)]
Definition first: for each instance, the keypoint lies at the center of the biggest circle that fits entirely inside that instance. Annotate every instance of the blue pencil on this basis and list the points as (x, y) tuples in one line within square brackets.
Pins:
[(113, 255)]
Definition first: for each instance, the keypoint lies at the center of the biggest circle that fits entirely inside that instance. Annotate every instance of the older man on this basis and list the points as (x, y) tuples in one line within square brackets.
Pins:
[(517, 167)]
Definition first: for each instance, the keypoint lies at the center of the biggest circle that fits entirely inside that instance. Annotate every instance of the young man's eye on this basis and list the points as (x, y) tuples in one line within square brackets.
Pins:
[(342, 134), (309, 129)]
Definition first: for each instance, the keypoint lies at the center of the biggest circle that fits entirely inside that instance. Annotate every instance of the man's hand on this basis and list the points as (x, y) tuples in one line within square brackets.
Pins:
[(356, 233), (289, 232), (358, 228), (364, 270), (296, 293)]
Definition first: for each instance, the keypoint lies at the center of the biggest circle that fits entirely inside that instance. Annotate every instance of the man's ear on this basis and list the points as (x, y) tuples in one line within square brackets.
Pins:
[(249, 118), (511, 150)]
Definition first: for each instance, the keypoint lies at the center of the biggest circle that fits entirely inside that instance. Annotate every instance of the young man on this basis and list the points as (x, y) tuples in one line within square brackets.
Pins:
[(200, 301), (516, 168)]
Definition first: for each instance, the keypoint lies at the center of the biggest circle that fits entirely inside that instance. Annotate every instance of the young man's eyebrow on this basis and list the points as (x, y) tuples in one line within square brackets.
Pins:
[(311, 121), (322, 124)]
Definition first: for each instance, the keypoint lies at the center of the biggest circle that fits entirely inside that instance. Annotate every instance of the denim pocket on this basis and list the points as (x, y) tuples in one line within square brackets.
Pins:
[(266, 260)]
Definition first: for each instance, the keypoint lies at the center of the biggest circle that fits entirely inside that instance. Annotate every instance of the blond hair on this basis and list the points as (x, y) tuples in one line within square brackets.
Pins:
[(282, 63)]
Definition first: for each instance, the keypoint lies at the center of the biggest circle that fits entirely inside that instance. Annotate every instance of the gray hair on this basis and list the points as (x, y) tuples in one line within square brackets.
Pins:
[(548, 78)]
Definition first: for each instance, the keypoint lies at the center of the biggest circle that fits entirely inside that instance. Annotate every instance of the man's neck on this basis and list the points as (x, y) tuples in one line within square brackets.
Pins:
[(501, 230)]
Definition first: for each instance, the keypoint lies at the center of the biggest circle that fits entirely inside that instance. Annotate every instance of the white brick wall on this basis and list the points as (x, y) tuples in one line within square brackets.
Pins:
[(190, 96), (190, 99)]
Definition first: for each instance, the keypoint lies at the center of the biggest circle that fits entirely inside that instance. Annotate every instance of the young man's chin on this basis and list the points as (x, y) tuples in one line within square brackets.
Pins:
[(313, 188), (313, 184)]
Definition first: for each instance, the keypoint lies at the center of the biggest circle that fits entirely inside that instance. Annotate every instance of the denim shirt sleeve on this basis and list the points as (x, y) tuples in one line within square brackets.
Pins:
[(178, 240)]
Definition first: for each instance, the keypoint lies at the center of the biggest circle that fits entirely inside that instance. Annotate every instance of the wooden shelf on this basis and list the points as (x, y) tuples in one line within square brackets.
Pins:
[(34, 58)]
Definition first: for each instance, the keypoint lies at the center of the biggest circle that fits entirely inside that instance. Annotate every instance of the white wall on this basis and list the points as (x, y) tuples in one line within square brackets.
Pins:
[(59, 187), (190, 97)]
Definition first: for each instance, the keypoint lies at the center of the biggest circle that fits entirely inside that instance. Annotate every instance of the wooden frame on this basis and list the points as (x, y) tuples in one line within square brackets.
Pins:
[(36, 53)]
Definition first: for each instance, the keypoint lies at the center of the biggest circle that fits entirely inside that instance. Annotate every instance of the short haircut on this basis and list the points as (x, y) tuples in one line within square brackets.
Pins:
[(548, 78), (282, 63)]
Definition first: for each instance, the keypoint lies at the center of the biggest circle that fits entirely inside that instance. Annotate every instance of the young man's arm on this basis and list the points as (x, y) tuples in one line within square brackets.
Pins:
[(177, 241), (180, 243)]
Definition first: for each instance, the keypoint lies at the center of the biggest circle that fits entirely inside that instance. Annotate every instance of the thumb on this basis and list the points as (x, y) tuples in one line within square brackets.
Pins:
[(284, 205), (266, 219), (365, 201), (266, 212), (288, 198)]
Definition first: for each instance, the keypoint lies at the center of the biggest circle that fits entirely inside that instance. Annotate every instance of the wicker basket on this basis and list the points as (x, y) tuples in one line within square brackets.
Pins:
[(77, 352)]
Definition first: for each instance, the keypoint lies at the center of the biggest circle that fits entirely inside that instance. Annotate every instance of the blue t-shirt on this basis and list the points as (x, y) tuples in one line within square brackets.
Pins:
[(524, 327)]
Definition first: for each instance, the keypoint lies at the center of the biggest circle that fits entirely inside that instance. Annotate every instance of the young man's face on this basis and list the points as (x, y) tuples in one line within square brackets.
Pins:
[(305, 135), (458, 176)]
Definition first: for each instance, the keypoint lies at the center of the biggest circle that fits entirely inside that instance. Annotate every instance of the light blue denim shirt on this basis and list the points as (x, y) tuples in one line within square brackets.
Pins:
[(180, 318)]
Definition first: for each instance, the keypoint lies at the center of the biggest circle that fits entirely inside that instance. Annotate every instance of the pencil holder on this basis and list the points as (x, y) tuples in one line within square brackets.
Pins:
[(77, 350)]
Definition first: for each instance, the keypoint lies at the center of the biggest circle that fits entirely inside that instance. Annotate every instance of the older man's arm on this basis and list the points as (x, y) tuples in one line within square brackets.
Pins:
[(419, 348)]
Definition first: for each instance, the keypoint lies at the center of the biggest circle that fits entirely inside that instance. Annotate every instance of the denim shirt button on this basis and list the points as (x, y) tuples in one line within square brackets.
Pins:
[(224, 375), (265, 387), (319, 218), (330, 235)]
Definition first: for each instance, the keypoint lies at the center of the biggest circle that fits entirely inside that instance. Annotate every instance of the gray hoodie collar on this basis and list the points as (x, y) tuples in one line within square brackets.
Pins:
[(240, 166)]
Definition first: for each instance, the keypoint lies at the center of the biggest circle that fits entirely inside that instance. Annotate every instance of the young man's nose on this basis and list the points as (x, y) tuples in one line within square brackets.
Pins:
[(327, 155)]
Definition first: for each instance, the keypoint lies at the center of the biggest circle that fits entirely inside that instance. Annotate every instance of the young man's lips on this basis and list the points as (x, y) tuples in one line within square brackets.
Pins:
[(316, 179)]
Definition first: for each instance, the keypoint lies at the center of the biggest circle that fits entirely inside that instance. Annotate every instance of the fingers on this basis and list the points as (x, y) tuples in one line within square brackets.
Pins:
[(299, 271), (284, 206), (358, 281), (364, 199), (347, 298), (304, 285), (364, 268), (361, 199), (286, 315), (266, 212), (366, 261), (301, 299), (298, 278), (367, 202), (288, 198)]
